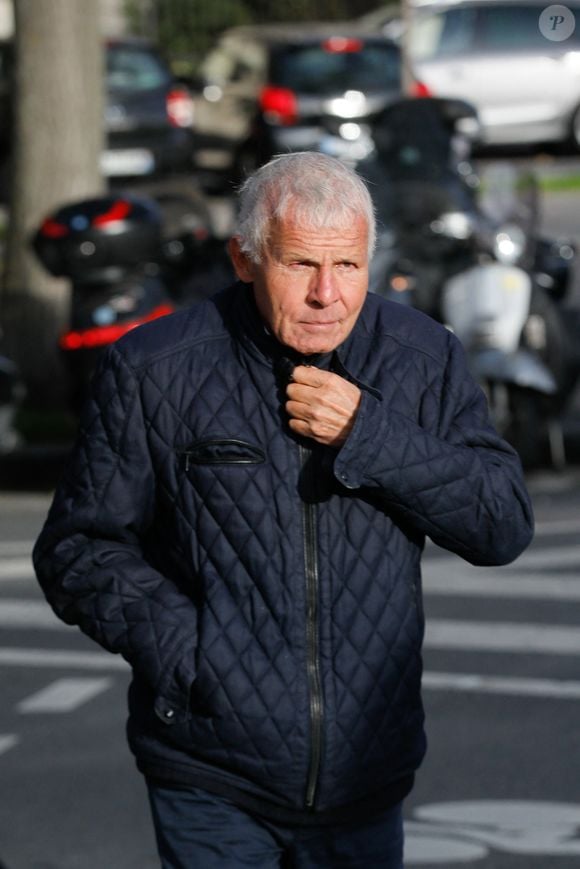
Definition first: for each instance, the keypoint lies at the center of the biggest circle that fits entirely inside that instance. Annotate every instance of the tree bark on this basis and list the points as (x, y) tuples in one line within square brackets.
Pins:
[(57, 141)]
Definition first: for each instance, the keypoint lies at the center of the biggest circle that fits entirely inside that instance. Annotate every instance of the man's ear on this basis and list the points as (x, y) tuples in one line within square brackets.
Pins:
[(243, 266)]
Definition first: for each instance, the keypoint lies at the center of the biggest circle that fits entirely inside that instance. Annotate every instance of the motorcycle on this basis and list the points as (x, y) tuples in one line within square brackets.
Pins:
[(475, 262), (514, 339), (129, 259)]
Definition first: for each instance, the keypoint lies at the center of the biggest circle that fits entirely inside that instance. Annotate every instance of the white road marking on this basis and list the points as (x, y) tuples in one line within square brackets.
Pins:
[(482, 584), (440, 633), (64, 695), (502, 637), (16, 561), (468, 682), (61, 658), (16, 568), (559, 526), (522, 827), (545, 558), (508, 685), (8, 741), (29, 614), (15, 547)]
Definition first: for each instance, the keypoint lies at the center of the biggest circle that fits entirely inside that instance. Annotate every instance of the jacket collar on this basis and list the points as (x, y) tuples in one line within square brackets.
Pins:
[(259, 342)]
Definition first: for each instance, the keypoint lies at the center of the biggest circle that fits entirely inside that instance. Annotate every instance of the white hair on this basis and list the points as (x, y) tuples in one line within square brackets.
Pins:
[(318, 190)]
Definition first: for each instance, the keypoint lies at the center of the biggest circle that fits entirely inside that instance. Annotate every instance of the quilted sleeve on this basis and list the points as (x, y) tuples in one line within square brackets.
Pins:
[(89, 558), (456, 481)]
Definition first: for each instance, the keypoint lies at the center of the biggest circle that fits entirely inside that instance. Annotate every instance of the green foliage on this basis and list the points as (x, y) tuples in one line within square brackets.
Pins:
[(185, 29)]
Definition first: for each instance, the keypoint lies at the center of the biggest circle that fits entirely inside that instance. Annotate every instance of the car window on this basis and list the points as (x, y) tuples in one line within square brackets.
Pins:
[(134, 69), (321, 69), (233, 60), (511, 28), (446, 33), (481, 28)]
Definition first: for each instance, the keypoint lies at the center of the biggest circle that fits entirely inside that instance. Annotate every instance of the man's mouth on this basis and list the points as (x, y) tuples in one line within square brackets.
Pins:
[(319, 324)]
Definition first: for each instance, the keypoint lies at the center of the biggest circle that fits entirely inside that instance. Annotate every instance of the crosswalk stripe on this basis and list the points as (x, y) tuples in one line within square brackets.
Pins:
[(466, 682), (20, 568), (16, 568), (16, 562), (15, 547), (64, 695), (8, 741), (502, 637), (508, 685), (440, 633), (556, 526), (478, 583), (546, 558), (71, 660), (29, 614)]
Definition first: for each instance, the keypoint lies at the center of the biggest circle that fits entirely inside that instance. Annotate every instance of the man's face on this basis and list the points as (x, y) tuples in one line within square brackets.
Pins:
[(311, 284)]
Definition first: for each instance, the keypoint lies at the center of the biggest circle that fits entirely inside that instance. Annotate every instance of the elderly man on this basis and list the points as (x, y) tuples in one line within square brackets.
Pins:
[(243, 519)]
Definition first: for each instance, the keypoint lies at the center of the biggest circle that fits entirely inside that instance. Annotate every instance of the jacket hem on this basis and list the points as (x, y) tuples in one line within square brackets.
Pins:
[(160, 776)]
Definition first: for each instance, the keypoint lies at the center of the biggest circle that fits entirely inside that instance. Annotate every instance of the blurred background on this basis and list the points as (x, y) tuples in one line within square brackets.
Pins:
[(171, 104)]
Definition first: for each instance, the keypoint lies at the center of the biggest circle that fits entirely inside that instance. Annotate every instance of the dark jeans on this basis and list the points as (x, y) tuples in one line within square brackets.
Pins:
[(196, 830)]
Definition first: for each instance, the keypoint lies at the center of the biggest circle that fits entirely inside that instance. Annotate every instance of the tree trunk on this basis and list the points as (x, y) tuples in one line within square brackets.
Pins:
[(407, 75), (58, 138)]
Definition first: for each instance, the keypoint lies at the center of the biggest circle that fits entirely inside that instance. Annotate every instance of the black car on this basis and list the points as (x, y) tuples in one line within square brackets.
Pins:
[(148, 112), (270, 89), (148, 115)]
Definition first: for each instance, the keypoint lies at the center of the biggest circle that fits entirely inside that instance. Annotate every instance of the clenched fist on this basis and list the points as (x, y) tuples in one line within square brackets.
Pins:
[(321, 405)]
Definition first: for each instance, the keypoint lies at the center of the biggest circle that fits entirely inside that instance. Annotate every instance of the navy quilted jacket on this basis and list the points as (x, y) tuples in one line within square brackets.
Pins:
[(266, 590)]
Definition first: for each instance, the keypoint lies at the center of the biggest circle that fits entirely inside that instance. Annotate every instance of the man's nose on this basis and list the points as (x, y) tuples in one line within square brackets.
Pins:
[(324, 287)]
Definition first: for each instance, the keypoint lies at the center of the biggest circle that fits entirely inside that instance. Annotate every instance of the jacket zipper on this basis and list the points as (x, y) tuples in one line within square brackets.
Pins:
[(316, 704)]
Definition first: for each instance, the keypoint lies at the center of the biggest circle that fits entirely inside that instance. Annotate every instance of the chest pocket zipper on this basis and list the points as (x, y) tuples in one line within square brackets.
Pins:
[(223, 451)]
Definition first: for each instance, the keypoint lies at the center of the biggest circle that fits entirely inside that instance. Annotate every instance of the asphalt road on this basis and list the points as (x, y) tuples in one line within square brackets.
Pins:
[(499, 789)]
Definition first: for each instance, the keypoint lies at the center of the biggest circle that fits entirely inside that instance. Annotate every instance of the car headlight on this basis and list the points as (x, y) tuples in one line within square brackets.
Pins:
[(509, 244)]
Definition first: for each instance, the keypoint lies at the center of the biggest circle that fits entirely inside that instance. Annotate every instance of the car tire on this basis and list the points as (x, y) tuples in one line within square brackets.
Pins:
[(574, 137)]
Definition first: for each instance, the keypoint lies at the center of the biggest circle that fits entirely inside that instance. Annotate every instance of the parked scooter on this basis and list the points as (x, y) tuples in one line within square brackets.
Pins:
[(515, 338), (485, 274), (129, 259)]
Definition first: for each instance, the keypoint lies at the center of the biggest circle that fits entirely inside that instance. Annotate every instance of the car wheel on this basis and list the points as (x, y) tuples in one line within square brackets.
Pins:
[(575, 130)]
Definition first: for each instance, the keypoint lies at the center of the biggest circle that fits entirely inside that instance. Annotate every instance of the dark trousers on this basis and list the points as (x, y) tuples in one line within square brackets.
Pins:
[(196, 830)]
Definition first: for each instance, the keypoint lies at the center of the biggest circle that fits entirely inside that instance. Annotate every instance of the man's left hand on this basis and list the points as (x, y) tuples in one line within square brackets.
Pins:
[(321, 405)]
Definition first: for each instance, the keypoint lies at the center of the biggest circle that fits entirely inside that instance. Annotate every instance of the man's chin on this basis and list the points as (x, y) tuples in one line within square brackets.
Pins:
[(305, 348), (308, 345)]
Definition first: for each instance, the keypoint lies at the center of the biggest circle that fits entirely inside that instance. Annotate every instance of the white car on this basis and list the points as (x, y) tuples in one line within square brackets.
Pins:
[(516, 61)]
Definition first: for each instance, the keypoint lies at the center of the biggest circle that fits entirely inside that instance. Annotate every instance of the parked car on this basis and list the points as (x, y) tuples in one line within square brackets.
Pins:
[(148, 115), (264, 89), (148, 112), (499, 55)]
